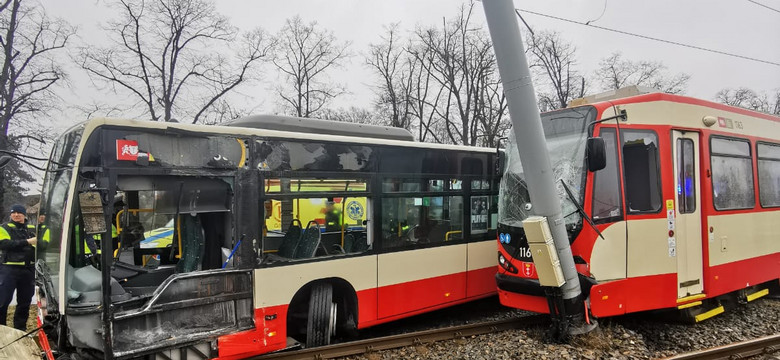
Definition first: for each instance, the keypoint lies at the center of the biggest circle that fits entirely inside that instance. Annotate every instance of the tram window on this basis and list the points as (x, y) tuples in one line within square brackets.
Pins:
[(606, 185), (411, 221), (769, 174), (641, 169), (732, 174), (686, 176)]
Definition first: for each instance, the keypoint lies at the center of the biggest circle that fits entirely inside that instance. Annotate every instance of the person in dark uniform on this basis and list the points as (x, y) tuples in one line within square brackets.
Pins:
[(17, 272)]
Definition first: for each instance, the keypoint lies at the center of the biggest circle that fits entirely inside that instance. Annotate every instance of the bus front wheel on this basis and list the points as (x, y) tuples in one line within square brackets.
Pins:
[(321, 323)]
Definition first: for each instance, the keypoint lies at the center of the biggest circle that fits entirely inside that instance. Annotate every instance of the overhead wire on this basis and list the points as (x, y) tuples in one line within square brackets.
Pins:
[(652, 38), (602, 14), (760, 4)]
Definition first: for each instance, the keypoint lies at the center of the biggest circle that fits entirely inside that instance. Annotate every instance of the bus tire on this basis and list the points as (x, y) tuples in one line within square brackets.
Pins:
[(321, 323)]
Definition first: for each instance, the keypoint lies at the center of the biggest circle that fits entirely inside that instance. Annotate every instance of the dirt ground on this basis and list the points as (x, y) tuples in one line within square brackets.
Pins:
[(31, 324)]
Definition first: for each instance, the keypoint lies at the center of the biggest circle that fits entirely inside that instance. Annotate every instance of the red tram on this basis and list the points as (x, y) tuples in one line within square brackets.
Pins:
[(680, 217)]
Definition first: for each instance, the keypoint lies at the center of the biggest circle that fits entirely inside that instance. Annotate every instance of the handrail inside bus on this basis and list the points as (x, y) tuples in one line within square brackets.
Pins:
[(448, 233), (134, 211)]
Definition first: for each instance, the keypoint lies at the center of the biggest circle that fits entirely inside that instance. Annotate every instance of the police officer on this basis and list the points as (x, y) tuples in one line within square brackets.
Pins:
[(17, 272)]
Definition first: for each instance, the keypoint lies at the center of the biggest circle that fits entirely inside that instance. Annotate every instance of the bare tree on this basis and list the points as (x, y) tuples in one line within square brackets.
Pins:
[(614, 73), (460, 59), (30, 43), (168, 55), (553, 61), (389, 60), (749, 99), (424, 94), (306, 53)]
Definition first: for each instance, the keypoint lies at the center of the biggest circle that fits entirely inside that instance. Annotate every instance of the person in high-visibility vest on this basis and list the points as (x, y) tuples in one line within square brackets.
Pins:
[(92, 242), (332, 217), (17, 269), (42, 232)]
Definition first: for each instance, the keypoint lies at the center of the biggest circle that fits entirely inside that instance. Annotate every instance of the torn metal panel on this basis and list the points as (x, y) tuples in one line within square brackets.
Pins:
[(186, 308)]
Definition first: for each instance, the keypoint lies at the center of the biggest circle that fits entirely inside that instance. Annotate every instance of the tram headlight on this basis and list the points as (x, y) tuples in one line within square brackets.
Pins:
[(505, 264)]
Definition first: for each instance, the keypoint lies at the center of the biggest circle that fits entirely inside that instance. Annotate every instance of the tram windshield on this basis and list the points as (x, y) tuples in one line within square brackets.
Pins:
[(566, 134)]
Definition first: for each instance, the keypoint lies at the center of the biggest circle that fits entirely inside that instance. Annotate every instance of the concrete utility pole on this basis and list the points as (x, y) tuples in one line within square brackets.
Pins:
[(531, 143)]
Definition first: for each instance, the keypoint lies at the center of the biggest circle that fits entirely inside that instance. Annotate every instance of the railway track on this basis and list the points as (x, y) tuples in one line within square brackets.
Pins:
[(408, 339), (741, 350)]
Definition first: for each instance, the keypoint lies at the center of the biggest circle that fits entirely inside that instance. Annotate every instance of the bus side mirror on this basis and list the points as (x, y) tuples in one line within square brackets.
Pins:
[(596, 153)]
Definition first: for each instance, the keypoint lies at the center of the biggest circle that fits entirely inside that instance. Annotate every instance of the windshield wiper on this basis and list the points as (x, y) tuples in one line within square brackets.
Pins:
[(580, 209)]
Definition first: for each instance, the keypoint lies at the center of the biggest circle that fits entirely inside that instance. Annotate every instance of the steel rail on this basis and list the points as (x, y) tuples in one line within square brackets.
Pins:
[(740, 350), (408, 339)]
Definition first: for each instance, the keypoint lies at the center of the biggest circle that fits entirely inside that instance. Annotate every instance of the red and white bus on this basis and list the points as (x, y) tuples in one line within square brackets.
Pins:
[(258, 239), (680, 217)]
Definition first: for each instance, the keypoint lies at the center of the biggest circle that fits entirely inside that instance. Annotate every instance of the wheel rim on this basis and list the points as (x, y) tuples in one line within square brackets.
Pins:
[(332, 322)]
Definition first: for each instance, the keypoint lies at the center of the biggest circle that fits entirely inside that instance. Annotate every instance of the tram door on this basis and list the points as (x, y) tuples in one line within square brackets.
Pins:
[(685, 216)]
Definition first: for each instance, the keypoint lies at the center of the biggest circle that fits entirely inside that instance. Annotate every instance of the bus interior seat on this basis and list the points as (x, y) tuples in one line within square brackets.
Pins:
[(290, 240), (192, 244), (310, 241), (349, 241), (357, 243)]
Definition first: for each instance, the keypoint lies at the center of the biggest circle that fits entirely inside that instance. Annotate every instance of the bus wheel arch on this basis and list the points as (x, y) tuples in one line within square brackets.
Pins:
[(335, 296)]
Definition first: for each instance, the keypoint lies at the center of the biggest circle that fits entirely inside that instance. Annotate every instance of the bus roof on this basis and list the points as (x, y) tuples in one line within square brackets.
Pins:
[(249, 131), (317, 126)]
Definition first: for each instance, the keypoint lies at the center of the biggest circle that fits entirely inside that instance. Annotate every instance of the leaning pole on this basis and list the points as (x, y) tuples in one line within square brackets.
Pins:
[(535, 159)]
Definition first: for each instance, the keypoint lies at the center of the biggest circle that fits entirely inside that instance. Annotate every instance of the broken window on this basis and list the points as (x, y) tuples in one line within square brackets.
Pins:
[(642, 170)]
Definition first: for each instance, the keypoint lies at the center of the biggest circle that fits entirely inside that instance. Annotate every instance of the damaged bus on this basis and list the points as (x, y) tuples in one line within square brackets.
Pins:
[(267, 234)]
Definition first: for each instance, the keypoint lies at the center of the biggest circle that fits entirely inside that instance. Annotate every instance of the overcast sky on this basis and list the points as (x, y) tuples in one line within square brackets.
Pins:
[(743, 27)]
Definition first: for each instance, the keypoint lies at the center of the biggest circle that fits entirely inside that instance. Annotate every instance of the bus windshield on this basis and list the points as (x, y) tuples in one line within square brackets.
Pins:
[(566, 132), (53, 199)]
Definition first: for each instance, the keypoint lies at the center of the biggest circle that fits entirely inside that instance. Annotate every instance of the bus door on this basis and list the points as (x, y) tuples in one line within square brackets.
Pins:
[(684, 217)]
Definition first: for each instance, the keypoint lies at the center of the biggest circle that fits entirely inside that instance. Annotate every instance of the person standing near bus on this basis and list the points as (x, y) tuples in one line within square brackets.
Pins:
[(42, 231), (17, 271)]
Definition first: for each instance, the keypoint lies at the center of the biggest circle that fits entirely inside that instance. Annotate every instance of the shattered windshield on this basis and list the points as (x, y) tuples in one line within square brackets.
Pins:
[(54, 198), (566, 132)]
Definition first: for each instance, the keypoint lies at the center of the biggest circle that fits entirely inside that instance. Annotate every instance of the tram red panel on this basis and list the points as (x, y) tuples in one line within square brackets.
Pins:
[(634, 294), (525, 302), (740, 274)]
